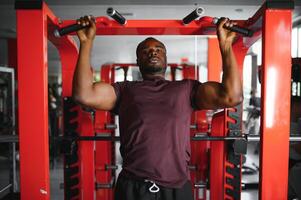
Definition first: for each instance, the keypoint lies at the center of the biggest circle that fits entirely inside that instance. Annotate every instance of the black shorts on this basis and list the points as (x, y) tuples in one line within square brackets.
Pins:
[(129, 189)]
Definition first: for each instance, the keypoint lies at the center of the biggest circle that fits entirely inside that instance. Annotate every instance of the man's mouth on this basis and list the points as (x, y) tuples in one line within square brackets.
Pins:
[(153, 60)]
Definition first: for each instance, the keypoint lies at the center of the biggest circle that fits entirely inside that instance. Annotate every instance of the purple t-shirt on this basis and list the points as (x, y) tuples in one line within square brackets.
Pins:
[(154, 121)]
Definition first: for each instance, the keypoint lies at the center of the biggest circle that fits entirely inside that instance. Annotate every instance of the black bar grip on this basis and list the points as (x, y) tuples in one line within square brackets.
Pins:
[(237, 29), (116, 15), (68, 29), (193, 15)]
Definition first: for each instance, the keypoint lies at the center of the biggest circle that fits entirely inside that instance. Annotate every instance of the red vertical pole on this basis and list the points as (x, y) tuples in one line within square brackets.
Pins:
[(217, 158), (68, 53), (214, 60), (104, 149), (222, 164), (233, 162), (198, 148), (217, 149), (86, 158), (275, 120), (33, 104)]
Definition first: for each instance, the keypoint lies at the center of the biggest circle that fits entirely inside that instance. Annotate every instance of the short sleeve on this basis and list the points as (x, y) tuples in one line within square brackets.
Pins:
[(118, 88), (193, 88)]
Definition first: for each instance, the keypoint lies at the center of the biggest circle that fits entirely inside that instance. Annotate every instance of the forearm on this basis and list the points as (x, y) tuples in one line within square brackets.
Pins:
[(231, 81), (83, 75)]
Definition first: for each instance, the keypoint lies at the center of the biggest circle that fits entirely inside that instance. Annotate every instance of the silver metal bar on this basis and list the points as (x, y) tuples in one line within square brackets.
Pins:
[(6, 69), (216, 138), (111, 126), (295, 139), (9, 138), (201, 134), (111, 167), (192, 167), (103, 134), (252, 138), (6, 188), (105, 185), (193, 126), (15, 181), (200, 185)]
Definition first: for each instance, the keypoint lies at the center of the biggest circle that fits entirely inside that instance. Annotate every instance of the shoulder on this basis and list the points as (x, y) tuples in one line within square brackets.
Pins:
[(125, 84), (190, 83)]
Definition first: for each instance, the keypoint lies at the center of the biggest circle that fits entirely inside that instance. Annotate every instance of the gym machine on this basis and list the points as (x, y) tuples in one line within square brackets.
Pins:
[(272, 23), (8, 150)]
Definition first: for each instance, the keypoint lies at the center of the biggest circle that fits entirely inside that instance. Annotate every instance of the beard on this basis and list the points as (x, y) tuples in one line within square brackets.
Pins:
[(152, 70)]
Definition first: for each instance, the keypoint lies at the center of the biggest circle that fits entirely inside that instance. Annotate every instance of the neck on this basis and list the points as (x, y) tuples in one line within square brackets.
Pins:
[(152, 76)]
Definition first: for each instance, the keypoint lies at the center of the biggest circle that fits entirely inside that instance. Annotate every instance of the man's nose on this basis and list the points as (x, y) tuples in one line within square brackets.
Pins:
[(152, 52)]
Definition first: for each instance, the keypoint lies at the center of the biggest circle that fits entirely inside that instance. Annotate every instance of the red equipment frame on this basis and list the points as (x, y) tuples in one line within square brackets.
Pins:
[(104, 150), (273, 22)]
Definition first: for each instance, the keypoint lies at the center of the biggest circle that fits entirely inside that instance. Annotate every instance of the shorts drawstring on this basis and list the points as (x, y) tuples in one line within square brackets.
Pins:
[(153, 188)]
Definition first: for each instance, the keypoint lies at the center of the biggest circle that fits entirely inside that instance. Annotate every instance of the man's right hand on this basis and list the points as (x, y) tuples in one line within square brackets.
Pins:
[(88, 33)]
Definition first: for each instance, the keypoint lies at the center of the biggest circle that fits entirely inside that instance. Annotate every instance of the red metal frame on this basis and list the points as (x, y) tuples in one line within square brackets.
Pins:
[(217, 149), (32, 76), (198, 153), (214, 60), (199, 150), (217, 157), (104, 150), (32, 94), (275, 123)]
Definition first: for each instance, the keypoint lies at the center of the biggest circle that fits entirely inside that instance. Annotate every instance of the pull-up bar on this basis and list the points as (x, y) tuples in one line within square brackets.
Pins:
[(203, 22)]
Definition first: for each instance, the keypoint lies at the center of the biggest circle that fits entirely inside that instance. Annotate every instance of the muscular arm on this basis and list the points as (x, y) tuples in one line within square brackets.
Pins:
[(84, 91), (214, 95)]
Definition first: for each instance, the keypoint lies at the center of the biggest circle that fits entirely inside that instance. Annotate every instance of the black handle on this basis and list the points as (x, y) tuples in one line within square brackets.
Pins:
[(68, 29), (193, 15), (116, 15), (237, 29)]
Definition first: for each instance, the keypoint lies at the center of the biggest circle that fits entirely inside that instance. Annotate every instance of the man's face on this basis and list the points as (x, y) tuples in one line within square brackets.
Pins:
[(151, 57)]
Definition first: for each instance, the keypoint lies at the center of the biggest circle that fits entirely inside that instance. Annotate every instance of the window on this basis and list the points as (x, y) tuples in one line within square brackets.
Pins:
[(296, 42)]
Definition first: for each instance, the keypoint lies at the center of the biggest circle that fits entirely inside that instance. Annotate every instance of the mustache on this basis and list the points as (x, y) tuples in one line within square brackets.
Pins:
[(152, 70), (153, 57)]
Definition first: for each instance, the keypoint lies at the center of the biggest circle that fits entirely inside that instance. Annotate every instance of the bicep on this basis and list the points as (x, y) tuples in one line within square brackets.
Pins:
[(210, 95), (102, 97)]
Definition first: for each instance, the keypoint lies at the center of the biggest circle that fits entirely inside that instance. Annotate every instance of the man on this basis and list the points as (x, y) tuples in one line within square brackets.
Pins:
[(154, 114)]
